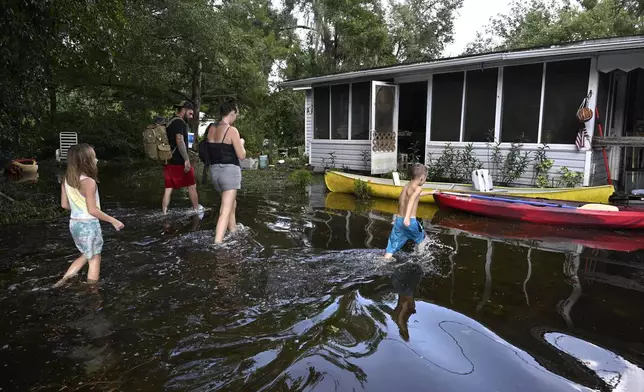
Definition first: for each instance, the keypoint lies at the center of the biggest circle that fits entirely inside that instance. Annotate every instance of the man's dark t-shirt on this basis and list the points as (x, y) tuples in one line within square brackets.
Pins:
[(178, 126)]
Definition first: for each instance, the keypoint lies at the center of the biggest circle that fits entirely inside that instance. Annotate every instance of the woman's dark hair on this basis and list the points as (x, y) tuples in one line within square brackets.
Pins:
[(228, 107)]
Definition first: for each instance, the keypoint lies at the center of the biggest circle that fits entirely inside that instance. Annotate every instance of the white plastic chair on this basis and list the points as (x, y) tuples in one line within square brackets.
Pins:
[(482, 181), (67, 139)]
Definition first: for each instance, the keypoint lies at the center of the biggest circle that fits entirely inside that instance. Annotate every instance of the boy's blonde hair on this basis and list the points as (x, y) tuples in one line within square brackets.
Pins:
[(417, 171)]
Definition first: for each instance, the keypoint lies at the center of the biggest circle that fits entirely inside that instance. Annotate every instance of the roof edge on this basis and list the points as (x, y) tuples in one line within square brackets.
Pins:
[(571, 48)]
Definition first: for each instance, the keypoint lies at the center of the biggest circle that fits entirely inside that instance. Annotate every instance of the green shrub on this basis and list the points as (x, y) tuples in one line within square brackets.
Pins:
[(300, 179), (453, 165), (570, 179), (362, 190)]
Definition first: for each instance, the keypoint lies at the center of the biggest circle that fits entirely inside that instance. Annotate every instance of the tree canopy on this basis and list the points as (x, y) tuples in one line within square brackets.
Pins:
[(547, 22), (105, 68)]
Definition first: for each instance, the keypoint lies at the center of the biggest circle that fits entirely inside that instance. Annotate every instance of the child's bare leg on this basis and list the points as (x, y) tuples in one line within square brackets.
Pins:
[(388, 255), (72, 270), (94, 269)]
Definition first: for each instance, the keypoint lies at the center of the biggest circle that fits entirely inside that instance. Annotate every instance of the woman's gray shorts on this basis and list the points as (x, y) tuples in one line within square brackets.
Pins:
[(225, 177)]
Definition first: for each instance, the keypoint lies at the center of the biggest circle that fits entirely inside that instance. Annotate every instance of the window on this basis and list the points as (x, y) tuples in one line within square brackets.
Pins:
[(321, 112), (360, 103), (521, 103), (480, 104), (566, 86), (340, 112), (447, 102)]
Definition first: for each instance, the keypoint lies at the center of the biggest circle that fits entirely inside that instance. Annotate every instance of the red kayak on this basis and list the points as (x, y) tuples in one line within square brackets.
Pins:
[(544, 212)]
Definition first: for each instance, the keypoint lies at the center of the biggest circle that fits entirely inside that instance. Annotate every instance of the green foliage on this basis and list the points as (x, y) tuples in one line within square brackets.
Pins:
[(279, 118), (543, 179), (420, 29), (453, 165), (354, 34), (329, 163), (133, 59), (514, 165), (446, 168), (105, 68), (570, 179), (366, 158), (542, 166), (506, 169), (547, 22), (362, 190), (300, 179), (341, 36), (413, 152), (468, 162)]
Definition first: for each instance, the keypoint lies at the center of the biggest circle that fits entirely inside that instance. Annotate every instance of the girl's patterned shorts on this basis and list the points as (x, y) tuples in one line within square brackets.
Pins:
[(87, 236)]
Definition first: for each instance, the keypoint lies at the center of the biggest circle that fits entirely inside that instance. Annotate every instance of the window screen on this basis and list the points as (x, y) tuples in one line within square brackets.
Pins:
[(566, 87), (321, 112), (340, 112), (447, 101), (480, 104), (521, 102), (360, 103)]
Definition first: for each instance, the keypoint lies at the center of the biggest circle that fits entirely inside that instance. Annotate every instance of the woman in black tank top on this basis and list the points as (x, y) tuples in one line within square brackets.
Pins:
[(226, 149)]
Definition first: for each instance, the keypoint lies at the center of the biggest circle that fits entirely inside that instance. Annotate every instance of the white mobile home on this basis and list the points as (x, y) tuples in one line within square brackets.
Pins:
[(369, 119)]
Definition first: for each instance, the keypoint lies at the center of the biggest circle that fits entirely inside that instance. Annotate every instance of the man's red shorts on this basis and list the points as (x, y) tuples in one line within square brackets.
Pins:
[(175, 178)]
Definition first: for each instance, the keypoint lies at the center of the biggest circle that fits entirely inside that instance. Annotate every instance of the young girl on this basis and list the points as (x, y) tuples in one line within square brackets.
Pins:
[(79, 194)]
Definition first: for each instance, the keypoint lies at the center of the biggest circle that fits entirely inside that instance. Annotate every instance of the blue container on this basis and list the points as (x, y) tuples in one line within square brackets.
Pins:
[(263, 161)]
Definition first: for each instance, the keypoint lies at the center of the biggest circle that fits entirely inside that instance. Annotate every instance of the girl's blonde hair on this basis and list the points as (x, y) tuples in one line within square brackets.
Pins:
[(81, 159)]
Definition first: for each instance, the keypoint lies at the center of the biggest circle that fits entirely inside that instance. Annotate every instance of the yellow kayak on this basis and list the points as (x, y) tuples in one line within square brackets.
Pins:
[(385, 188), (346, 202)]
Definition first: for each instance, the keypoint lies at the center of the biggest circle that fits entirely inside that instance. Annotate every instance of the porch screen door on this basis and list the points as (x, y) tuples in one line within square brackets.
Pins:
[(384, 127)]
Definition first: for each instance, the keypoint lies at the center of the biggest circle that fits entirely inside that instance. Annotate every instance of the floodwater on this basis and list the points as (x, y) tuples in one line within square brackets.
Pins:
[(299, 300)]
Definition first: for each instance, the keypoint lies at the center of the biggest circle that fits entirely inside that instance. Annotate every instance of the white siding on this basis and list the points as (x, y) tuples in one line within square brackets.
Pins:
[(308, 122), (347, 153), (598, 169), (568, 157)]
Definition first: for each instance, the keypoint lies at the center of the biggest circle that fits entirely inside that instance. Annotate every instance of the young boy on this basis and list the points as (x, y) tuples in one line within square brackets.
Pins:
[(406, 227)]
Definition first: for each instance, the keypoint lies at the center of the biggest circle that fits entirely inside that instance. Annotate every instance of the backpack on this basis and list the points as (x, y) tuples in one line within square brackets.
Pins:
[(204, 155), (155, 141)]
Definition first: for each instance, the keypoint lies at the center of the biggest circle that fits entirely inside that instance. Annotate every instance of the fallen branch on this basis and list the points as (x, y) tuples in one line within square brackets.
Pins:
[(7, 197)]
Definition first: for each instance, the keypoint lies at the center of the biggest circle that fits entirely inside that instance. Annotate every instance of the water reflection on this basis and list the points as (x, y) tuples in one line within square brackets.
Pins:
[(299, 300), (405, 281)]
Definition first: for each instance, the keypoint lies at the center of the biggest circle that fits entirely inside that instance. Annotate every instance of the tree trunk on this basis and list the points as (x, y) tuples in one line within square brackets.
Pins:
[(53, 106), (196, 101), (51, 91)]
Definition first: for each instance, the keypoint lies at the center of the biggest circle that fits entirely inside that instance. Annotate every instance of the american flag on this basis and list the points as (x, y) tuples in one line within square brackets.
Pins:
[(582, 139)]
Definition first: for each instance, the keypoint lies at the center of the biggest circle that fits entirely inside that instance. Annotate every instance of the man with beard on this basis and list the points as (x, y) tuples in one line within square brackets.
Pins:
[(178, 172)]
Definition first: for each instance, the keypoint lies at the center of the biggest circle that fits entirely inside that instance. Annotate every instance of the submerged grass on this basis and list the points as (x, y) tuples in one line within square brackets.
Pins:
[(31, 202)]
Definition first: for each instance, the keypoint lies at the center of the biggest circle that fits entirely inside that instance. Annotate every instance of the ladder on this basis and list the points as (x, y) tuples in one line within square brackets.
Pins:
[(67, 139)]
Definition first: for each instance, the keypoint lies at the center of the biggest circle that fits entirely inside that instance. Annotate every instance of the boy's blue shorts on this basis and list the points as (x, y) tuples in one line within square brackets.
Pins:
[(400, 234)]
